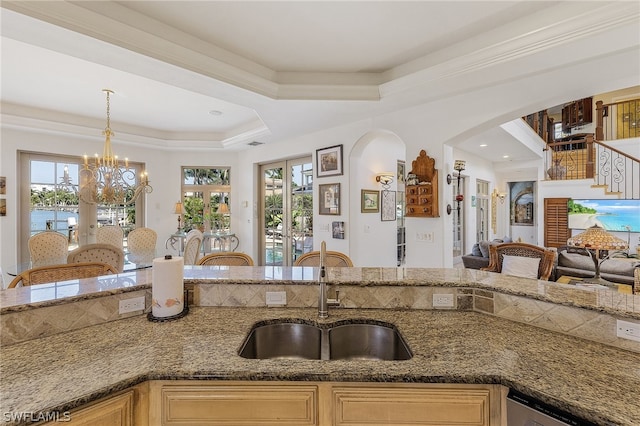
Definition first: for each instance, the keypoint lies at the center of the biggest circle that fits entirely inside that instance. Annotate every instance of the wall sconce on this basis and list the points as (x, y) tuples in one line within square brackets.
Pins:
[(178, 210), (385, 179), (499, 195), (458, 166)]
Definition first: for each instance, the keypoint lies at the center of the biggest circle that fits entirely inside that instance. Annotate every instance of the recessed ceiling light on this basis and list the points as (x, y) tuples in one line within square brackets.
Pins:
[(505, 156), (483, 145), (215, 112)]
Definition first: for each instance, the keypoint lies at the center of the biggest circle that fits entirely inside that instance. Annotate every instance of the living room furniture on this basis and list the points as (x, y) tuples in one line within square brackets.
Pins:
[(64, 272), (577, 262), (522, 256)]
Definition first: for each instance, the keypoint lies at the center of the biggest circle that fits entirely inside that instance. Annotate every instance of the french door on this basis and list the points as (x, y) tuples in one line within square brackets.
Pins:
[(286, 229)]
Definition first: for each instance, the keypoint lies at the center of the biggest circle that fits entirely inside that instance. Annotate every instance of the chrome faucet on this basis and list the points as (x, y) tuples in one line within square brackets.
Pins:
[(323, 301), (323, 309)]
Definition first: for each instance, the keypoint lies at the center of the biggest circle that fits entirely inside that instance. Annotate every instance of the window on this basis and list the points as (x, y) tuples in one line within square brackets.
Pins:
[(52, 203), (206, 196)]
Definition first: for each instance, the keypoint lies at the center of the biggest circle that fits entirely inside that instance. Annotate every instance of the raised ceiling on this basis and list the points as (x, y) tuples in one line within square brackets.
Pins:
[(275, 69)]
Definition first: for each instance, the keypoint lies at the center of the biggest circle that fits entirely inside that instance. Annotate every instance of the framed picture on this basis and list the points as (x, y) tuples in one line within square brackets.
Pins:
[(3, 207), (522, 196), (401, 172), (388, 206), (3, 185), (337, 230), (329, 161), (329, 199), (370, 201)]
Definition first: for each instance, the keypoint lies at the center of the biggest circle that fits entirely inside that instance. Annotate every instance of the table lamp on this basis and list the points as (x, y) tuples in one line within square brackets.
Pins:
[(178, 210), (593, 240)]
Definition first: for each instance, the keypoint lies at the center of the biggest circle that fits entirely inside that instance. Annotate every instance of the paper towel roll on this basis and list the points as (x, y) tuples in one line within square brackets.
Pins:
[(167, 286)]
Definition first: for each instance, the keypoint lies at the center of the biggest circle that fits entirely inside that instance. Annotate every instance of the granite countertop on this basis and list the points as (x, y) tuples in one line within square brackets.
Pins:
[(590, 380)]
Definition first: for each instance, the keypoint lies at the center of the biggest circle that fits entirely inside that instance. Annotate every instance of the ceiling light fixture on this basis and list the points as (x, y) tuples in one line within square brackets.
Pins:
[(108, 181)]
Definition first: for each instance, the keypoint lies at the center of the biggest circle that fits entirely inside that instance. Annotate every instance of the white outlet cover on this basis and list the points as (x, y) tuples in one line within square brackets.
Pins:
[(276, 298), (628, 330), (443, 300)]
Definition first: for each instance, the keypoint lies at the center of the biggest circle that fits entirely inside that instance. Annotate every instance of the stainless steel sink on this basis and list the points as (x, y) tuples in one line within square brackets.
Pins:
[(367, 341), (284, 340), (292, 340)]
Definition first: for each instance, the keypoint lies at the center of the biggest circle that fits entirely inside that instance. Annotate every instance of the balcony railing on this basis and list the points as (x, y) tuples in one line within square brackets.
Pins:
[(619, 120)]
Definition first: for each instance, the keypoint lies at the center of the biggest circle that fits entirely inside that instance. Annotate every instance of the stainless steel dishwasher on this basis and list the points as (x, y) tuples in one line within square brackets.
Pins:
[(523, 410)]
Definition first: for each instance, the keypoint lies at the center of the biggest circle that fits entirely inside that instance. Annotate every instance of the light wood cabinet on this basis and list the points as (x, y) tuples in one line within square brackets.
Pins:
[(175, 403), (115, 410)]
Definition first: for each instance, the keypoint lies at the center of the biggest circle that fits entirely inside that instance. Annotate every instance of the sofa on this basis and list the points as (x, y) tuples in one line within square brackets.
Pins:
[(576, 262), (479, 256)]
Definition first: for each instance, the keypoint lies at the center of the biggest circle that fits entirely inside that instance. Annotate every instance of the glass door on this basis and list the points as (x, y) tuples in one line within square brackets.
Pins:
[(287, 203), (482, 210)]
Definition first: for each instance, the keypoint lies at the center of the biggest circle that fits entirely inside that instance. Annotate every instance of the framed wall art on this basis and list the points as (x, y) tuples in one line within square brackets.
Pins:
[(522, 196), (337, 230), (370, 201), (329, 199), (329, 161), (3, 185), (388, 206)]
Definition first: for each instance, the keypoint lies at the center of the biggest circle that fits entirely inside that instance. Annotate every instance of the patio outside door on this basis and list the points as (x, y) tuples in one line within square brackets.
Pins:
[(287, 206)]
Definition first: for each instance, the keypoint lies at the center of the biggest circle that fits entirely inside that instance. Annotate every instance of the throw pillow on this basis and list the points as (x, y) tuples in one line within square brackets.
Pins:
[(506, 239), (526, 267), (475, 251), (484, 248)]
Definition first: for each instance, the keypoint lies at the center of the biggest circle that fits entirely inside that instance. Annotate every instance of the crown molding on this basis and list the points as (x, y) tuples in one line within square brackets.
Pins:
[(552, 27)]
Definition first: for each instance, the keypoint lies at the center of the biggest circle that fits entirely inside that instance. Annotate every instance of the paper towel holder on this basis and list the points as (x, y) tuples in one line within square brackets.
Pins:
[(183, 313)]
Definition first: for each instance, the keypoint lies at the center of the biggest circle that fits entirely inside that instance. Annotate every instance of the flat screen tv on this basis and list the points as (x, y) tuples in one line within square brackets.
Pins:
[(612, 215)]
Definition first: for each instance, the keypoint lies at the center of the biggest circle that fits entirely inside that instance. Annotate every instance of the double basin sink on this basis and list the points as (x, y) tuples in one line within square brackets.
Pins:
[(294, 339)]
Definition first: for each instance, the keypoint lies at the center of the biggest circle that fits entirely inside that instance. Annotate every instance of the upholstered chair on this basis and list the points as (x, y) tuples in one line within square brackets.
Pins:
[(55, 273), (227, 258), (192, 247), (331, 259), (104, 253), (522, 260), (48, 248), (110, 234), (141, 245)]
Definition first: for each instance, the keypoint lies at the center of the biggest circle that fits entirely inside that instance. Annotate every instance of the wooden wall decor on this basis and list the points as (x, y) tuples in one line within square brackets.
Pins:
[(421, 192)]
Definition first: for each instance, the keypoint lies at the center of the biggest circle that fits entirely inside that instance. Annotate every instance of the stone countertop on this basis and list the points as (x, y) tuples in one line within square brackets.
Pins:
[(605, 300), (590, 380)]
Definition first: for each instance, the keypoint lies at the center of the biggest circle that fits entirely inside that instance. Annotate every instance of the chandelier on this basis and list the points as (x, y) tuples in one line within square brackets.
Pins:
[(105, 180)]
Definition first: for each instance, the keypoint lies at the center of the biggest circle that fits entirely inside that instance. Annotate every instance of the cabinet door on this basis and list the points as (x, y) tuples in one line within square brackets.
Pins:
[(112, 411), (416, 406), (239, 404)]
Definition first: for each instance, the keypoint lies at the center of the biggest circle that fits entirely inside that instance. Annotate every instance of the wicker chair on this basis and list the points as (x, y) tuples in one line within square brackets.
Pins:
[(48, 248), (498, 251), (55, 273), (104, 253), (141, 245), (331, 258), (110, 234), (192, 247), (227, 258)]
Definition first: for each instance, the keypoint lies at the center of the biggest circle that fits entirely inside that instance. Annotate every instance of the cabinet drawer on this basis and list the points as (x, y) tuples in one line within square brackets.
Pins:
[(239, 405)]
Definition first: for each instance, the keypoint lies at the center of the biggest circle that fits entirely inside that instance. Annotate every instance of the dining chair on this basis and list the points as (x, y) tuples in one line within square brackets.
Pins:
[(110, 234), (104, 253), (55, 273), (522, 260), (48, 248), (228, 258), (141, 245), (192, 247), (331, 259)]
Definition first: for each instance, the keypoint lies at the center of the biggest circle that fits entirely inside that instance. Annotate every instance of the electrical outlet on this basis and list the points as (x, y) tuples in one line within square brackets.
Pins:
[(131, 305), (426, 237), (628, 330), (276, 298), (443, 300)]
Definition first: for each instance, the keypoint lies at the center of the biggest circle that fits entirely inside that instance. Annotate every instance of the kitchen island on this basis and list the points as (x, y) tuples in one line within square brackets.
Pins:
[(66, 370)]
